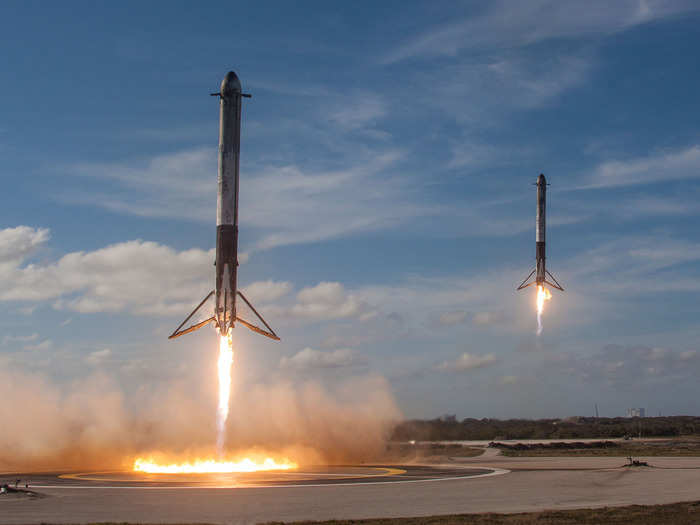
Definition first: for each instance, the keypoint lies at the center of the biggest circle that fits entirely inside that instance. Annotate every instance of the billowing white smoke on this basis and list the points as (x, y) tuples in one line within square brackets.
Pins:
[(94, 423)]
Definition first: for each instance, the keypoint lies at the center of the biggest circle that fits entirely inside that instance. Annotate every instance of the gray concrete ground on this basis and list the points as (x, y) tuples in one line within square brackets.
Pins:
[(531, 484)]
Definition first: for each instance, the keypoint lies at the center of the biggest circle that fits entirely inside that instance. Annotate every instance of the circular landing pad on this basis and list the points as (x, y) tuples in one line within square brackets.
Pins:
[(304, 476)]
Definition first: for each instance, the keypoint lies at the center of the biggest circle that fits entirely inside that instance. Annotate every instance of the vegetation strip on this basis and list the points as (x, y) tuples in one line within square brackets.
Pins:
[(450, 429)]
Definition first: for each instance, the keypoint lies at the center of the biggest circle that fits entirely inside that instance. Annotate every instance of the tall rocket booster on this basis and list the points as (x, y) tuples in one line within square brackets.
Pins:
[(230, 98), (540, 271), (225, 293)]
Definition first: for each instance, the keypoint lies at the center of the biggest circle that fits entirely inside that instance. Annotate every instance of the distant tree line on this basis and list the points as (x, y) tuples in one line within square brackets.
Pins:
[(445, 429)]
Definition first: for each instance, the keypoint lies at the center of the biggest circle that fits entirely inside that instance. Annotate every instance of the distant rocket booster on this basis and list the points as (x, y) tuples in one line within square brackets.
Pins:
[(540, 271), (226, 292)]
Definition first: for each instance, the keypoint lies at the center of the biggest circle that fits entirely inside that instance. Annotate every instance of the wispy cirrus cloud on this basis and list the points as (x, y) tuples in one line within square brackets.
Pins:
[(466, 362), (454, 317), (98, 357), (363, 111), (308, 358), (44, 345), (502, 84), (630, 366), (325, 203), (505, 24), (175, 185), (657, 168), (620, 265)]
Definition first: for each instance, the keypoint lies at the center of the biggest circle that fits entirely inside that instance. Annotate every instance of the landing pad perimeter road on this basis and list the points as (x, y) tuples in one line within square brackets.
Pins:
[(525, 484)]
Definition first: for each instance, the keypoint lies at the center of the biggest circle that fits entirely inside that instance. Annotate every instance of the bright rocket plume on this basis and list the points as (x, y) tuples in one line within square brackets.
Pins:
[(542, 295), (207, 466), (224, 368), (223, 465)]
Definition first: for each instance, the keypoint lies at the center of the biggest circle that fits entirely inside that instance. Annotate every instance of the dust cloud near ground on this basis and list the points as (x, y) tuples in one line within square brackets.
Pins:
[(93, 423)]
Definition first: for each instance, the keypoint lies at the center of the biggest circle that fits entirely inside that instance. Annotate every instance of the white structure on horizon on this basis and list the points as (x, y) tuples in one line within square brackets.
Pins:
[(636, 412)]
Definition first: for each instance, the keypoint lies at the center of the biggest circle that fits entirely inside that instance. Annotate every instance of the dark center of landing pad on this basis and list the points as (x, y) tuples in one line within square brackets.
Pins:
[(333, 475)]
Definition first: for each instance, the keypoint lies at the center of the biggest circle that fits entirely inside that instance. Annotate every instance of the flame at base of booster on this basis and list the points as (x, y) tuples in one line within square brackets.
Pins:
[(208, 466), (222, 465), (224, 368), (542, 295)]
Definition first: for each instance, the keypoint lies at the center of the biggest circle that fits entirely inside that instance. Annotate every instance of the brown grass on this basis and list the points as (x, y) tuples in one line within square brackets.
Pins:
[(675, 513), (687, 513)]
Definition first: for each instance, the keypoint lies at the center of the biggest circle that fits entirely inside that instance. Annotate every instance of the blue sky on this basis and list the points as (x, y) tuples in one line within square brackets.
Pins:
[(387, 206)]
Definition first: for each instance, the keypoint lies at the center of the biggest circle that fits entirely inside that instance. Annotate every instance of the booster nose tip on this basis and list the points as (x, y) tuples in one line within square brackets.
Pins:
[(230, 84), (541, 179)]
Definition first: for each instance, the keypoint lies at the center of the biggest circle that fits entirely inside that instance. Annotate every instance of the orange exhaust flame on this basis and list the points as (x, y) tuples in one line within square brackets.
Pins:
[(224, 368), (542, 295), (206, 466)]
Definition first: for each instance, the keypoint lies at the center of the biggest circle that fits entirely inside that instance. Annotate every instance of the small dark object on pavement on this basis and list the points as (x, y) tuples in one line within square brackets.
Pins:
[(636, 462)]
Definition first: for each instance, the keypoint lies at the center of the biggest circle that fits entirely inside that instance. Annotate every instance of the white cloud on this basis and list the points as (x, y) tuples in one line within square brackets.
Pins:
[(488, 318), (630, 366), (138, 277), (310, 358), (355, 339), (488, 67), (448, 299), (266, 291), (503, 84), (325, 203), (39, 347), (27, 310), (329, 300), (452, 318), (20, 338), (619, 266), (180, 184), (364, 110), (634, 208), (675, 165), (466, 362), (17, 243), (99, 356), (514, 24)]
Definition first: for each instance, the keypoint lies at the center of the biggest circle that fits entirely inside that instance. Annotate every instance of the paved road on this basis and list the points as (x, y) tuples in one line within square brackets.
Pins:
[(531, 484)]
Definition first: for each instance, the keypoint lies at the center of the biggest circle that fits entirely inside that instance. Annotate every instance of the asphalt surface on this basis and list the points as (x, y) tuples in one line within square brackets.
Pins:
[(488, 483), (306, 476)]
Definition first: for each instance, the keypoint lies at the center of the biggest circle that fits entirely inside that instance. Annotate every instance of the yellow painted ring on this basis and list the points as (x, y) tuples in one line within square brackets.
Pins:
[(88, 476)]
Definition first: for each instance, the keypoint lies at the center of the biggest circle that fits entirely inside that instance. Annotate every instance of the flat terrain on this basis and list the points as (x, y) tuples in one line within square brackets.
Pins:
[(676, 513), (521, 484), (430, 452), (674, 447)]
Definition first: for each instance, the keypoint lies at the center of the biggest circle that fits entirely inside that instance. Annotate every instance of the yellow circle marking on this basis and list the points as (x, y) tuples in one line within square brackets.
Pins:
[(87, 476)]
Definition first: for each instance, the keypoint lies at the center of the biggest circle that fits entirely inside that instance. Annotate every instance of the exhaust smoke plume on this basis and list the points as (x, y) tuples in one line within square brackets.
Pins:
[(93, 423)]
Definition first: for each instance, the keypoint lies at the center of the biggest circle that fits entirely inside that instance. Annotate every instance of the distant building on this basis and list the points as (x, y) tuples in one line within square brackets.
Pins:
[(636, 412), (449, 418)]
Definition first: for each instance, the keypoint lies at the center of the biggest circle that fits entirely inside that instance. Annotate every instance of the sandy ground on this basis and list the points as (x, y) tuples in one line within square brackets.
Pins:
[(531, 484)]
